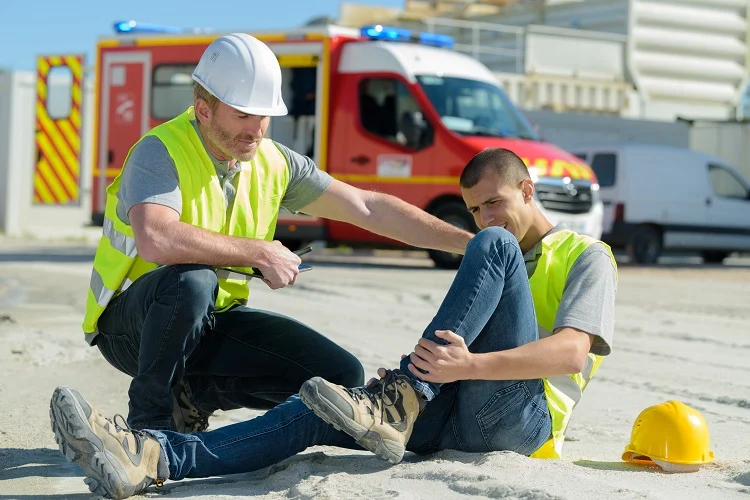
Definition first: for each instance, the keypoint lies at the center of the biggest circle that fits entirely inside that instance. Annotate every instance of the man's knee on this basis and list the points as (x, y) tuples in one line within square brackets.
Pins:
[(488, 240), (195, 282), (346, 371)]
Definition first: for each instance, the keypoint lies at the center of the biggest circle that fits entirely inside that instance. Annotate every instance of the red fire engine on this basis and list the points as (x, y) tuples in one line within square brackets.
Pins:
[(380, 108)]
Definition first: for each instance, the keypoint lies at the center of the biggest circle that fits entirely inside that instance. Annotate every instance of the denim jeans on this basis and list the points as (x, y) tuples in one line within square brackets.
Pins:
[(489, 304), (163, 330)]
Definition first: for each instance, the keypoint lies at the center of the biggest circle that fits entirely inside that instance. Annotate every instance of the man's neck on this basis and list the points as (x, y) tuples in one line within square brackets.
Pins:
[(540, 227)]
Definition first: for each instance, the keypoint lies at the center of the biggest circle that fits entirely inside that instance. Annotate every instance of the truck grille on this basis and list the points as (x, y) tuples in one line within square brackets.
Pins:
[(574, 198)]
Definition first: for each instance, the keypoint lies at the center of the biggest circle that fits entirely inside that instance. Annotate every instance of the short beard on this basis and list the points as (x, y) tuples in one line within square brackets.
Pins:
[(221, 137)]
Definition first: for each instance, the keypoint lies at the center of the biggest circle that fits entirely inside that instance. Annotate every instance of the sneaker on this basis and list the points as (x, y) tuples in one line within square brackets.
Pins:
[(187, 417), (380, 417), (117, 461)]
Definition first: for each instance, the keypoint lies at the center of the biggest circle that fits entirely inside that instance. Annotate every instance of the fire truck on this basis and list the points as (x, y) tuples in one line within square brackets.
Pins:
[(381, 108)]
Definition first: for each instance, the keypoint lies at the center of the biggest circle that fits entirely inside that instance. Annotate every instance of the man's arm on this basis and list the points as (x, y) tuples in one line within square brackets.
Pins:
[(162, 238), (561, 354), (388, 216), (149, 200)]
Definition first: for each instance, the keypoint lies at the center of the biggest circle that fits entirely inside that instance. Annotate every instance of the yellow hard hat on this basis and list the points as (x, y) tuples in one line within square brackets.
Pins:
[(671, 434)]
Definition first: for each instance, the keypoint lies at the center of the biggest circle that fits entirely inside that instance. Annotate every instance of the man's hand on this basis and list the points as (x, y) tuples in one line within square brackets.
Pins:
[(280, 266), (442, 363)]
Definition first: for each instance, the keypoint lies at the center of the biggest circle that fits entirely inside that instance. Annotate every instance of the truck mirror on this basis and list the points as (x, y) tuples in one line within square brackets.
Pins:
[(413, 126)]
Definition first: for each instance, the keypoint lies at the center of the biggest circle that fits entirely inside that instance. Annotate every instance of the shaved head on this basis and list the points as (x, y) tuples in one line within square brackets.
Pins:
[(508, 166)]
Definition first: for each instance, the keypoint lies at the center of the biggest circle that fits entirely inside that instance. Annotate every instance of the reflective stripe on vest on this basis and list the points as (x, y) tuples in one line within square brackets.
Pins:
[(119, 241), (102, 294), (565, 383), (260, 184), (559, 252)]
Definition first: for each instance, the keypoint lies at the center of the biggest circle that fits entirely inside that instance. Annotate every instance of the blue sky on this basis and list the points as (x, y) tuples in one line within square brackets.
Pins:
[(32, 27)]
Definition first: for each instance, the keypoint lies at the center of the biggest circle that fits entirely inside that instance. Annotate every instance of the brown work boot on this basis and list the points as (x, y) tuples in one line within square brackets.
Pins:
[(186, 415), (117, 462), (380, 417)]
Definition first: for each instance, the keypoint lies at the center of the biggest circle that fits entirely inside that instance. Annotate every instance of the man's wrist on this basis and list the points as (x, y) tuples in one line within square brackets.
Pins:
[(475, 367)]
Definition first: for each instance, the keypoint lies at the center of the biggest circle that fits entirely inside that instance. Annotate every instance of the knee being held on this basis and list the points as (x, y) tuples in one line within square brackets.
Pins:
[(487, 239)]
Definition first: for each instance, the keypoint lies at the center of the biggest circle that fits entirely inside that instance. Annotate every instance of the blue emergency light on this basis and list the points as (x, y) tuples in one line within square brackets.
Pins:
[(390, 33), (133, 27)]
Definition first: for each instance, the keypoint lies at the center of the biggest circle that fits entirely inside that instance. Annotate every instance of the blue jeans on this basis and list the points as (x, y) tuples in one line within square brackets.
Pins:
[(489, 304), (163, 329)]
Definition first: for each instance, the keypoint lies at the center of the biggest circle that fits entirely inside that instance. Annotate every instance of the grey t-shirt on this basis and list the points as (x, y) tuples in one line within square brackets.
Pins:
[(588, 300), (150, 176)]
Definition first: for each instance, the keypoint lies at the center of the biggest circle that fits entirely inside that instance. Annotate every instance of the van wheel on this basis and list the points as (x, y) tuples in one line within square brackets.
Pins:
[(454, 213), (714, 257), (645, 245)]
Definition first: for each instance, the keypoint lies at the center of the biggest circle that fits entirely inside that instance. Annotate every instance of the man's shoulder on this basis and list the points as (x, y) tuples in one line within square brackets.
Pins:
[(285, 151), (148, 148), (596, 258), (575, 242)]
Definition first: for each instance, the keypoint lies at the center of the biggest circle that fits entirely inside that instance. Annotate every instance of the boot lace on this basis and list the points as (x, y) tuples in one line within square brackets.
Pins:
[(123, 426), (377, 391), (199, 422)]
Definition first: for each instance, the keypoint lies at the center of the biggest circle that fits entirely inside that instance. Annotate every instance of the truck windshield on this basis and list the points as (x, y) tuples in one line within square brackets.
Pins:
[(472, 107)]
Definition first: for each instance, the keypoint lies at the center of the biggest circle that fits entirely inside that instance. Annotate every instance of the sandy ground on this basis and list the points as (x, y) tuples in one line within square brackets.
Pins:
[(682, 333)]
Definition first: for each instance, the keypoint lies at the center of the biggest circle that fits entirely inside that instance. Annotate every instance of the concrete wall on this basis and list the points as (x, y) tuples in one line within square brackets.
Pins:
[(569, 130), (19, 216)]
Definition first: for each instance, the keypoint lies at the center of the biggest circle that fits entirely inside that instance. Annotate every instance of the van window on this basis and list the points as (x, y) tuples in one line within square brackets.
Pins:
[(725, 183), (387, 109), (605, 168), (171, 90)]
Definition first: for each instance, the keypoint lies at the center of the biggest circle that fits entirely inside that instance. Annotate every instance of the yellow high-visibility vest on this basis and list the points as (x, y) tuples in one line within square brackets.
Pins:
[(559, 252), (261, 185)]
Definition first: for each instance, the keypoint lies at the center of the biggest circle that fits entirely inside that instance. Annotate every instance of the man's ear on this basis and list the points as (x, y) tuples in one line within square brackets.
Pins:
[(527, 187), (202, 110)]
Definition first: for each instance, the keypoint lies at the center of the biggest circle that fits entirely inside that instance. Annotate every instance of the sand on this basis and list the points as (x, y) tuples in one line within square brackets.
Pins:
[(682, 333)]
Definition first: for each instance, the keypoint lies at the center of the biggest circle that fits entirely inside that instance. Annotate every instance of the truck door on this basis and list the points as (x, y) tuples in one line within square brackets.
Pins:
[(59, 99), (388, 147), (123, 114)]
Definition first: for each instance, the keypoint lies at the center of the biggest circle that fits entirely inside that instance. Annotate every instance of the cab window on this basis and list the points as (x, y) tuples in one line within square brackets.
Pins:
[(725, 184), (387, 109), (171, 90), (605, 168)]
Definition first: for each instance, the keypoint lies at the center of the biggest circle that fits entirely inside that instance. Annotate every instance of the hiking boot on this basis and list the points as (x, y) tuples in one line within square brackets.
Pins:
[(117, 461), (380, 417), (187, 417)]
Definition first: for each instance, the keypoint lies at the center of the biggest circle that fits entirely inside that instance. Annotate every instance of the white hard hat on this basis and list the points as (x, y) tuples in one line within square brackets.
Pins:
[(242, 72)]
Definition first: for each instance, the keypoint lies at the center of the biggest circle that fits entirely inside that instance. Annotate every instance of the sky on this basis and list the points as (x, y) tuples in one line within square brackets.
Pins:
[(47, 27)]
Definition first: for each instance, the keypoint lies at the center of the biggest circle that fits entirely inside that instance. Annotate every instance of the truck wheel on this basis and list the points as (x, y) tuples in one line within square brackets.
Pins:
[(645, 245), (453, 213), (714, 257)]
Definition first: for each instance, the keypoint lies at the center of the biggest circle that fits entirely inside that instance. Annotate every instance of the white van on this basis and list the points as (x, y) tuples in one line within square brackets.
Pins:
[(665, 198)]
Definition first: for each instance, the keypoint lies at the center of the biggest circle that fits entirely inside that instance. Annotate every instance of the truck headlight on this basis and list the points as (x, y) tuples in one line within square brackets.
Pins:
[(595, 196)]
